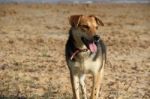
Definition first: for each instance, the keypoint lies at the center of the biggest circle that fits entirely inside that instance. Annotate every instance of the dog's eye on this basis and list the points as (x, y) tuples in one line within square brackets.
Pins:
[(85, 26)]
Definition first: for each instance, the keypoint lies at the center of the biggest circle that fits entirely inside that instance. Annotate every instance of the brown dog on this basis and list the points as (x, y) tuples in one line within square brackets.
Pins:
[(85, 52)]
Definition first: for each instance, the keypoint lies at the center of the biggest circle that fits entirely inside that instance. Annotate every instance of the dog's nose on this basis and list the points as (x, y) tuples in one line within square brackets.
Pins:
[(96, 38)]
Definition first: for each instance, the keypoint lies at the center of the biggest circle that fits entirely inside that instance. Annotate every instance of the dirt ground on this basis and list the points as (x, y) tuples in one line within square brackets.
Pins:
[(32, 41)]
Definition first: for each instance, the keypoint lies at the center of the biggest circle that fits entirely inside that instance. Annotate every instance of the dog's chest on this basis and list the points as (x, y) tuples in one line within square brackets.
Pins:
[(85, 63)]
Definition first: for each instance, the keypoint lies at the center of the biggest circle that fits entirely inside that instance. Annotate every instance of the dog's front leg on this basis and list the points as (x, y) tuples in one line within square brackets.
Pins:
[(83, 87), (97, 78), (75, 85)]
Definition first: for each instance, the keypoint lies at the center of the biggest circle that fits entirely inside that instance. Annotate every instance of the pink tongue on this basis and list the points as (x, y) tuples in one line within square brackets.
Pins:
[(92, 47)]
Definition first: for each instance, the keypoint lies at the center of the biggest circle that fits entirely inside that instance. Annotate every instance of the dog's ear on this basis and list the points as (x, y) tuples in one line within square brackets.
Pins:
[(74, 20), (99, 22)]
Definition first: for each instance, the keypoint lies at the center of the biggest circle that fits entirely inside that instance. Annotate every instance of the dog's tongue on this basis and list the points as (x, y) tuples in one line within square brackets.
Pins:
[(92, 47)]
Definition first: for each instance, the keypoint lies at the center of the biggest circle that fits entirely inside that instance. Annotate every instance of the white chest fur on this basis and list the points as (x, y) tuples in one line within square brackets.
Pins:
[(85, 63)]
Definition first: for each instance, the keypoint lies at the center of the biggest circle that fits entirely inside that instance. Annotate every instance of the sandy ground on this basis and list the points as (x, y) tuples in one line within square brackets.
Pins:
[(32, 41)]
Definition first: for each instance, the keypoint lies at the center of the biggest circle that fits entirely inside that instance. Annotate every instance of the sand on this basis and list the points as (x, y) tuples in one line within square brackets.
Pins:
[(32, 42)]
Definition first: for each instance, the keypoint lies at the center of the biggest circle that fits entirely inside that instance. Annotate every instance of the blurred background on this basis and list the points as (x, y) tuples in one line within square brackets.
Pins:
[(33, 34), (75, 1)]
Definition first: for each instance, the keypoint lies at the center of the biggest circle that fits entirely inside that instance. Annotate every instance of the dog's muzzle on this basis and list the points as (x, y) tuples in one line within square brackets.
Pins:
[(95, 39), (91, 43)]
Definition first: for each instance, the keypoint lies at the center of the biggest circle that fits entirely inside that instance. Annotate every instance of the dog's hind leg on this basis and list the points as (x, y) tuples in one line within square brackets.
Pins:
[(75, 85), (97, 79), (83, 88)]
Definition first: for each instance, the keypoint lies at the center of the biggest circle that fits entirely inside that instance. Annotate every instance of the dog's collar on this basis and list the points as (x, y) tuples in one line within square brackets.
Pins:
[(77, 51)]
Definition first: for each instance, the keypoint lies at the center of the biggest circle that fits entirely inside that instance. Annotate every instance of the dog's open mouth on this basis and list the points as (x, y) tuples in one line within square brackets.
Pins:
[(90, 44)]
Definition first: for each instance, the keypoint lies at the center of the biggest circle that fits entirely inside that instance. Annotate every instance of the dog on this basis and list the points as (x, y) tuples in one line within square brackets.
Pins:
[(85, 53)]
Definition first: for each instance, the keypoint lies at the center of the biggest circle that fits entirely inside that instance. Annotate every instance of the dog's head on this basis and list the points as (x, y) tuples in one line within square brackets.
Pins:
[(86, 28)]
